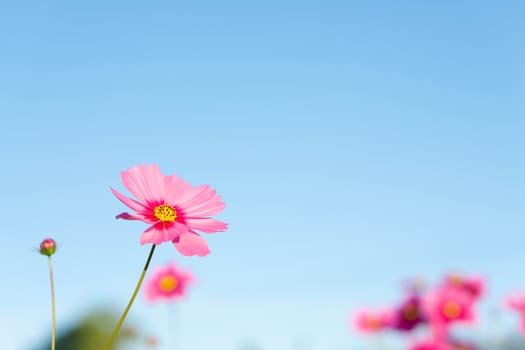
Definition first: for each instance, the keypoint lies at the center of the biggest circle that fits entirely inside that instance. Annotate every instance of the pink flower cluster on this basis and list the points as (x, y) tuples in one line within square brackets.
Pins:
[(452, 301)]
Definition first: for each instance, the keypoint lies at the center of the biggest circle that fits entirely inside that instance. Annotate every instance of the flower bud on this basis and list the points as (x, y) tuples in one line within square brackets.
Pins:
[(48, 247)]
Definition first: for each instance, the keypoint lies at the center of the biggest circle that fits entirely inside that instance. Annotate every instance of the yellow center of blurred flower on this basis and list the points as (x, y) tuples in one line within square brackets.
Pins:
[(411, 312), (168, 284), (451, 309), (165, 213), (373, 323)]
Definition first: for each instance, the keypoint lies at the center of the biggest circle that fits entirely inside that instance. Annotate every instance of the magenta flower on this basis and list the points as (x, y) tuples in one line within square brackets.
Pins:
[(173, 208), (408, 315), (167, 283), (441, 345), (365, 321), (462, 346), (431, 345), (475, 286), (517, 303), (447, 305)]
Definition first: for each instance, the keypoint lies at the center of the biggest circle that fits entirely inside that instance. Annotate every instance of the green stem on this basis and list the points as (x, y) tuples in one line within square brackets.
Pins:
[(53, 313), (137, 288)]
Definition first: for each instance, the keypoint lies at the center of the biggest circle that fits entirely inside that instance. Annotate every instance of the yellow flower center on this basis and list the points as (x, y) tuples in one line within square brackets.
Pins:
[(373, 323), (411, 312), (451, 310), (168, 284), (165, 213)]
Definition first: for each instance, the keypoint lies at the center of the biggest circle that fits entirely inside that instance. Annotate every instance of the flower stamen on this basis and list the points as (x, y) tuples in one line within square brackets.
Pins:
[(411, 312), (168, 284), (165, 213), (451, 310)]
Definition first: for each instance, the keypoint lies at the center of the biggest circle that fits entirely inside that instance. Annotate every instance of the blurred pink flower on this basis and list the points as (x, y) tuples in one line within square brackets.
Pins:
[(167, 283), (431, 345), (408, 315), (447, 305), (517, 302), (474, 286), (366, 321), (174, 209), (462, 346), (441, 345)]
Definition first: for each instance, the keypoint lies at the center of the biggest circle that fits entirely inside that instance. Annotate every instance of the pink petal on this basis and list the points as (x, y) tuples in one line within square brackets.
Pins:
[(128, 216), (190, 243), (212, 207), (190, 195), (199, 195), (145, 182), (174, 188), (163, 232), (207, 225), (131, 203)]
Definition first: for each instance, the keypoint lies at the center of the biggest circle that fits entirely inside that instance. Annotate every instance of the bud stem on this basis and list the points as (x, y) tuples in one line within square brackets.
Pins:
[(137, 288), (53, 312)]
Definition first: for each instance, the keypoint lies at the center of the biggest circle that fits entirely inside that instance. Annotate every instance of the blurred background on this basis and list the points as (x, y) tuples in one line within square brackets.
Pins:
[(356, 144)]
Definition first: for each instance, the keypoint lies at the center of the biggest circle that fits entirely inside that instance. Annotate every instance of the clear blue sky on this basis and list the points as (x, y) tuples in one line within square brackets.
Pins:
[(355, 143)]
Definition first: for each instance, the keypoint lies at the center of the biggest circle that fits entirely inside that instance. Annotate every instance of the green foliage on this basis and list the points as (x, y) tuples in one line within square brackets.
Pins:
[(90, 333)]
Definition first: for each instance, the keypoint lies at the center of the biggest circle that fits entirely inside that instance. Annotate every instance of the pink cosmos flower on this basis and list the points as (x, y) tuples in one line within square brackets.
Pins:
[(517, 302), (173, 208), (408, 315), (441, 345), (462, 346), (475, 286), (431, 345), (167, 283), (446, 305), (365, 321)]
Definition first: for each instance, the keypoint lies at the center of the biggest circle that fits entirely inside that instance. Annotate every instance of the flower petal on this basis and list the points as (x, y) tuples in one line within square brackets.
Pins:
[(212, 207), (145, 182), (128, 216), (196, 196), (163, 232), (207, 225), (174, 188), (190, 194), (133, 204), (190, 243)]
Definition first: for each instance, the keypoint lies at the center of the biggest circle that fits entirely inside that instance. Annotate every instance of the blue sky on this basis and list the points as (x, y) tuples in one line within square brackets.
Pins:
[(355, 144)]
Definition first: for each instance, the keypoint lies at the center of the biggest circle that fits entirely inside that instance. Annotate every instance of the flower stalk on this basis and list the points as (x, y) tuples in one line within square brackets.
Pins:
[(53, 312), (128, 307), (48, 247)]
